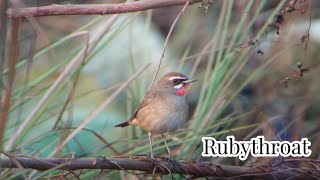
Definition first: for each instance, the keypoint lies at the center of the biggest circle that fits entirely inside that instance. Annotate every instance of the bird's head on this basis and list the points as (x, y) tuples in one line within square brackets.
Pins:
[(174, 82)]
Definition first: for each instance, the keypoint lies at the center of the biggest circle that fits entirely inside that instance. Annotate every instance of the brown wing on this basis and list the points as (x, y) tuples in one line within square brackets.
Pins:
[(144, 102)]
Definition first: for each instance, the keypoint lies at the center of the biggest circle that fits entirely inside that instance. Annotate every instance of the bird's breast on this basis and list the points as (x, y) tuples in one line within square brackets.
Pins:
[(163, 114)]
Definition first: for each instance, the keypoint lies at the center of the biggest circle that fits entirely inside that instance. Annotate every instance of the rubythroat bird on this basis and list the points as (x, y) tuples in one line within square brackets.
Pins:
[(164, 108)]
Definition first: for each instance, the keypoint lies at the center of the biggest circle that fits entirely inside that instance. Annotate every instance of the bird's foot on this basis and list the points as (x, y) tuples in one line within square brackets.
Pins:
[(159, 166), (171, 160), (174, 162)]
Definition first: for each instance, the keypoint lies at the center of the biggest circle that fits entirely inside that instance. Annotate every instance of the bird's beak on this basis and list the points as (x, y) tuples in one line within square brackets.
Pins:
[(188, 81)]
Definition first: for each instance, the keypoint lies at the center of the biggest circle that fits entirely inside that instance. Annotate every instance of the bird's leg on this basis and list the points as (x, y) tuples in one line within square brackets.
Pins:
[(150, 142), (154, 161), (169, 152), (170, 158)]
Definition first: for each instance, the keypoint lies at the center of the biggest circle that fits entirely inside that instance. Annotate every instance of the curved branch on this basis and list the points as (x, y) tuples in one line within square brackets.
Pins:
[(138, 163), (90, 9)]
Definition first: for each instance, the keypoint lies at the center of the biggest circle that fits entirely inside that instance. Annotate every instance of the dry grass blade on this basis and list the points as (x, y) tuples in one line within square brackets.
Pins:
[(101, 31), (12, 57), (94, 113), (166, 42), (199, 57), (94, 39), (67, 71)]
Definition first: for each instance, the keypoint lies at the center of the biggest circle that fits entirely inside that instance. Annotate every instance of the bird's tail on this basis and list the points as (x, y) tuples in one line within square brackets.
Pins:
[(124, 124)]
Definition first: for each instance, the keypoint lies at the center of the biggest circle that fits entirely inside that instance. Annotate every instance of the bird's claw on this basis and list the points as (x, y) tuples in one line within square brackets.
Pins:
[(174, 162), (170, 159), (159, 166)]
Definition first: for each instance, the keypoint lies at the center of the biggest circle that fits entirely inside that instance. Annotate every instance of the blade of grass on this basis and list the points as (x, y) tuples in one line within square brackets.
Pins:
[(166, 42), (94, 113), (67, 71)]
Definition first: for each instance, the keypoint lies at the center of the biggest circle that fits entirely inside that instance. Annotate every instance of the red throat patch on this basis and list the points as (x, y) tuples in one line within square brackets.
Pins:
[(182, 91)]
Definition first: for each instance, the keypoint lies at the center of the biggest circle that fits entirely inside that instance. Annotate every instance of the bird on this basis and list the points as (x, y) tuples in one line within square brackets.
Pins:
[(164, 108)]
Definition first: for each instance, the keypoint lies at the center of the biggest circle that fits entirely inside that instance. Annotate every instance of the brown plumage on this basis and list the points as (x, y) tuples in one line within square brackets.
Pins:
[(164, 107)]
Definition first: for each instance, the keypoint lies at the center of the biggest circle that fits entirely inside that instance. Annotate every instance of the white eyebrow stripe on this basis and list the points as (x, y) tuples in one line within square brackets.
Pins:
[(177, 77)]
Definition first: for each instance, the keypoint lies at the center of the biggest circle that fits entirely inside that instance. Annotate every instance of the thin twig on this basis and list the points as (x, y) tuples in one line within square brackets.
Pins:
[(308, 32), (3, 38), (98, 9), (11, 62), (167, 39)]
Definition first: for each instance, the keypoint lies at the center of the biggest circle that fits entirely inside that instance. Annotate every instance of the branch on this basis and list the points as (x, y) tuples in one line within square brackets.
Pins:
[(138, 163), (89, 9)]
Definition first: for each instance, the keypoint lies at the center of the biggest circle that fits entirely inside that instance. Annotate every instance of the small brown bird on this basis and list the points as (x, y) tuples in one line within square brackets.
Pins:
[(163, 109)]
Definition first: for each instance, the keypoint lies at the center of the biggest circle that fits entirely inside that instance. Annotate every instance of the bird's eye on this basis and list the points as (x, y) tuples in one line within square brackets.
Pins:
[(175, 81)]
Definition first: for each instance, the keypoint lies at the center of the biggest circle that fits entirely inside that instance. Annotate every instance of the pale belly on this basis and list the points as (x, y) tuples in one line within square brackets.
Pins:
[(168, 118)]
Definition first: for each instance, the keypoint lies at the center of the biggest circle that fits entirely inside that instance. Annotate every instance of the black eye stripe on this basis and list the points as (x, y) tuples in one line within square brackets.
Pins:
[(178, 81)]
